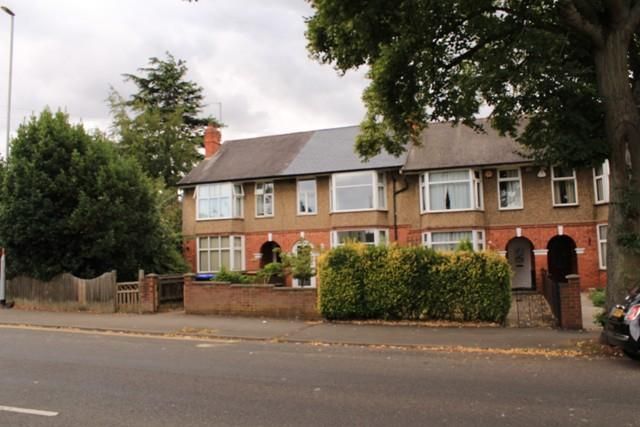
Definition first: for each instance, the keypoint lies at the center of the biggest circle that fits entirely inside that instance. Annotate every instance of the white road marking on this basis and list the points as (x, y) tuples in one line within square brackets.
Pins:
[(28, 411)]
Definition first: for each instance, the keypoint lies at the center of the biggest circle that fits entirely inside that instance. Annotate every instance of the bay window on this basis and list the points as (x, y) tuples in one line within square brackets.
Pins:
[(216, 252), (451, 190), (357, 191), (449, 240), (368, 237), (219, 201)]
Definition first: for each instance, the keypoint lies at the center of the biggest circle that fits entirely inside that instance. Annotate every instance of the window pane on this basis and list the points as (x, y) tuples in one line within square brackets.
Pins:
[(268, 188), (448, 176), (237, 260), (510, 194), (260, 205), (224, 241), (449, 196), (225, 208), (354, 198), (441, 247), (215, 242), (562, 172), (451, 236), (307, 186), (237, 242), (603, 232), (603, 254), (510, 173), (204, 208), (204, 261), (382, 201), (565, 192), (203, 243), (364, 178), (215, 261), (225, 259), (599, 190)]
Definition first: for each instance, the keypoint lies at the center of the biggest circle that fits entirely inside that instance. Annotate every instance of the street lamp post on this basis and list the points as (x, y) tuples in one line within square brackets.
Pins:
[(6, 149)]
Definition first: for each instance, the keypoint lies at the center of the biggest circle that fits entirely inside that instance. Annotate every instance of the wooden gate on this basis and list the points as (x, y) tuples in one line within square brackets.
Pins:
[(128, 297), (170, 290)]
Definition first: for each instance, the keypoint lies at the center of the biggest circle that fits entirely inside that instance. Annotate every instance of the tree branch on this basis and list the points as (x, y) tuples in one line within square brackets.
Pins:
[(633, 20), (577, 21)]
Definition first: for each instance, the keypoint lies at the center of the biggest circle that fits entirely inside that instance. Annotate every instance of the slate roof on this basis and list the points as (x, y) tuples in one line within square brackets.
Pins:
[(332, 150), (445, 146), (303, 153)]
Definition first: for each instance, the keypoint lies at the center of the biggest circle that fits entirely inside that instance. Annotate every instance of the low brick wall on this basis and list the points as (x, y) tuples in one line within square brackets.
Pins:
[(249, 300)]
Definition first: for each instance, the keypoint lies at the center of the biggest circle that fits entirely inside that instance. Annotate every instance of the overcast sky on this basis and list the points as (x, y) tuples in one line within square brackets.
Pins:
[(249, 55)]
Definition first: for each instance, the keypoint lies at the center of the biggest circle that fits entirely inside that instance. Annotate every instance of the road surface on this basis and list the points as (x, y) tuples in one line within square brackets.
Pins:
[(85, 379)]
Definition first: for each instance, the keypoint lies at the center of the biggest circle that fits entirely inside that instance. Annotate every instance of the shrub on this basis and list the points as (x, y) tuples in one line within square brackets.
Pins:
[(225, 275), (269, 271), (391, 282), (598, 297)]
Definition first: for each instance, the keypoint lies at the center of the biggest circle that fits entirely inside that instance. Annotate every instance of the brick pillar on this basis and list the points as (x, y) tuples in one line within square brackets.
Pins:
[(570, 304), (148, 294), (186, 290)]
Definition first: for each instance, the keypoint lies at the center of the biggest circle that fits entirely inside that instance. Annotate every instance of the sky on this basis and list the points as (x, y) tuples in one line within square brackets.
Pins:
[(249, 56)]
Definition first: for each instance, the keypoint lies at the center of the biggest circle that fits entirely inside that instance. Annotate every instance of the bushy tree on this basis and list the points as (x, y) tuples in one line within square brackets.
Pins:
[(571, 68), (160, 124), (70, 203)]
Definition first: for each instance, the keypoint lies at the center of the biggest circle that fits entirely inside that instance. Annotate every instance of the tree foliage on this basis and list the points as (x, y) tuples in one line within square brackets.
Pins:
[(160, 124), (560, 75), (70, 203)]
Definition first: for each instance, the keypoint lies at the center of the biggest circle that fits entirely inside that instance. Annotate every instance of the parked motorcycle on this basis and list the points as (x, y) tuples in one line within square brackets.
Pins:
[(622, 325)]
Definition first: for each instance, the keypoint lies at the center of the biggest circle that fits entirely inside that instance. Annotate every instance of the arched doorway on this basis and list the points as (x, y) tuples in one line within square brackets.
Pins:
[(268, 253), (562, 258), (522, 262)]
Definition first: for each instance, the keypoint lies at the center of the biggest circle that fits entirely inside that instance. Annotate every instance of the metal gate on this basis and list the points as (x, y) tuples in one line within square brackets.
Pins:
[(552, 295), (170, 290)]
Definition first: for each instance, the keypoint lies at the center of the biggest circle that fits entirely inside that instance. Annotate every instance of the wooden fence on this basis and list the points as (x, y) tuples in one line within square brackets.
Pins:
[(128, 297), (65, 292)]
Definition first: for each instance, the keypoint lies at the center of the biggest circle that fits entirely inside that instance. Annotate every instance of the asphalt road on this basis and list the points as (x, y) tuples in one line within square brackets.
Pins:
[(102, 380)]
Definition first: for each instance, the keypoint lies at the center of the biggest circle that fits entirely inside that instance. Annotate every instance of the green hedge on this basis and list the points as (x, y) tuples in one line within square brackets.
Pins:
[(392, 282)]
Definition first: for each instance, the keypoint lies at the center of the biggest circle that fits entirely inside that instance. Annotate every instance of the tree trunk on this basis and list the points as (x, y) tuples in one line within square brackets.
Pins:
[(622, 122)]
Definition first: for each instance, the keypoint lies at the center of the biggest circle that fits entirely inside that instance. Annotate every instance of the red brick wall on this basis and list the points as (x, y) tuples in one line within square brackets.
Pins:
[(249, 300), (570, 304), (584, 235)]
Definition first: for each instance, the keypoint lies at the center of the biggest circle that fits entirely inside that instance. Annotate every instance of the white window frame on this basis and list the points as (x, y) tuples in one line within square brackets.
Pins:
[(474, 180), (235, 192), (377, 233), (567, 178), (602, 260), (605, 184), (378, 182), (477, 238), (519, 180), (260, 193), (232, 249), (306, 196)]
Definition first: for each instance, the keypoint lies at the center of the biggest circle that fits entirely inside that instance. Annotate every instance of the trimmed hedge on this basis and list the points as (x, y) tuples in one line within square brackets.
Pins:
[(413, 283)]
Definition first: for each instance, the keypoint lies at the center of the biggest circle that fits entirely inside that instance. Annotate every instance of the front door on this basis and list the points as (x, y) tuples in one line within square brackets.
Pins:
[(520, 255)]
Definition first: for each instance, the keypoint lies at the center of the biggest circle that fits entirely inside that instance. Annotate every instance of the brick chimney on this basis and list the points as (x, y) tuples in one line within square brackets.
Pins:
[(212, 138)]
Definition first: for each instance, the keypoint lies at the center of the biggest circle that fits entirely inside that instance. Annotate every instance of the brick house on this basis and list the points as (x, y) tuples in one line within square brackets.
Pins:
[(250, 196)]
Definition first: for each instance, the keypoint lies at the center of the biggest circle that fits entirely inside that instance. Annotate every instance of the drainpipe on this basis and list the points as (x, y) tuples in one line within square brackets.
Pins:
[(395, 204)]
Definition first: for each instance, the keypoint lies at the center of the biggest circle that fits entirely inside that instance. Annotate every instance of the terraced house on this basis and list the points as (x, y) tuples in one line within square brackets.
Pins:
[(251, 196)]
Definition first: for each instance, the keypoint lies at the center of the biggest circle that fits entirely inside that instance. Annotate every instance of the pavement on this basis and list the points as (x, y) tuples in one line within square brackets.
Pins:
[(273, 330)]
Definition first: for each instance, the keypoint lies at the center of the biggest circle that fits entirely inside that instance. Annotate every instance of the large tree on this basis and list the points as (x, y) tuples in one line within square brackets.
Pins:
[(70, 203), (571, 68), (160, 124)]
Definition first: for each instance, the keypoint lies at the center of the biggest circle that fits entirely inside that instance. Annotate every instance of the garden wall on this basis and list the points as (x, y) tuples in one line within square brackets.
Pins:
[(249, 300)]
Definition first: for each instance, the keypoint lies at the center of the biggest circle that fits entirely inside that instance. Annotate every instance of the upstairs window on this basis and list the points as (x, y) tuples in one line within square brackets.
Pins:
[(564, 186), (601, 182), (358, 191), (307, 198), (451, 190), (220, 201), (510, 189), (264, 199)]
